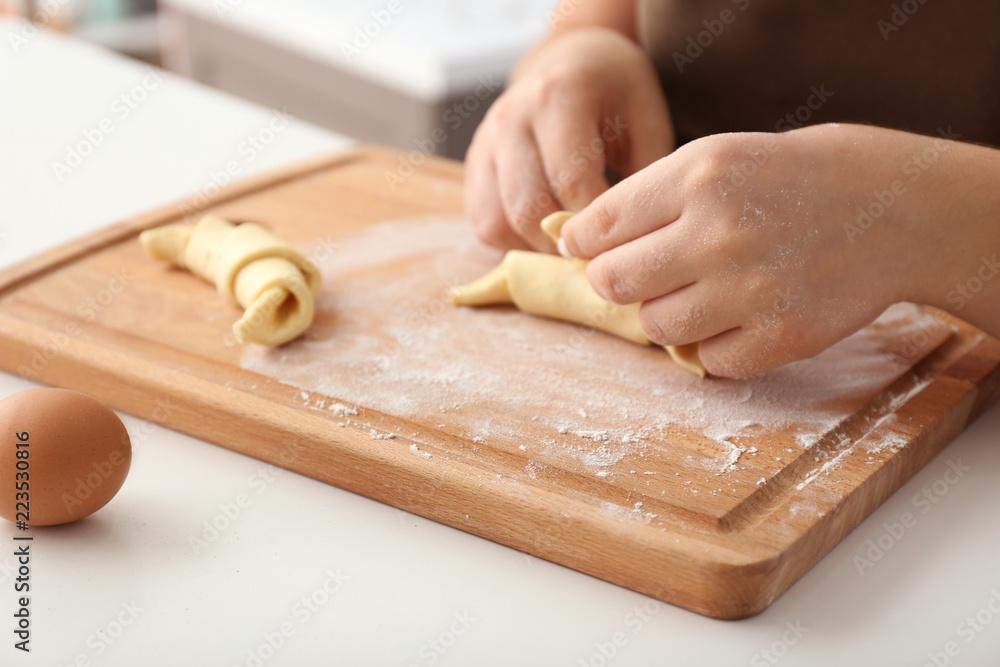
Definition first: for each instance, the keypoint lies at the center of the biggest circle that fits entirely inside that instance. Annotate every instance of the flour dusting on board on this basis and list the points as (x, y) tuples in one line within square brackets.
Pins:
[(386, 339)]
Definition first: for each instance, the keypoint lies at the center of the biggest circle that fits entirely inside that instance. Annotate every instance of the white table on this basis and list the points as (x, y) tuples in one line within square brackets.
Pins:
[(334, 578)]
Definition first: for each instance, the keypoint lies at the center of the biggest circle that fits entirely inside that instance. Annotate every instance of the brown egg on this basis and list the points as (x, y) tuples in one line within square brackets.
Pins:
[(63, 456)]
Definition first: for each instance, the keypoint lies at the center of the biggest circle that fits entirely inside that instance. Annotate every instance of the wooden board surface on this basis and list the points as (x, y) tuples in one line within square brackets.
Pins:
[(713, 495)]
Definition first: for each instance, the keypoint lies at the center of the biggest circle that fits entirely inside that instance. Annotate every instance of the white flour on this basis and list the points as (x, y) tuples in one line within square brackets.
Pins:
[(386, 340)]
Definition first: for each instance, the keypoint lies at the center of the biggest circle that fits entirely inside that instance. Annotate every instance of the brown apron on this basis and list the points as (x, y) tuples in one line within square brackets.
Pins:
[(765, 65)]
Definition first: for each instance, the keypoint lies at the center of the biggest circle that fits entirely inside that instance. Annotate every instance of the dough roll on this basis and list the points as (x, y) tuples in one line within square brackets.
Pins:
[(248, 264), (557, 287), (551, 286)]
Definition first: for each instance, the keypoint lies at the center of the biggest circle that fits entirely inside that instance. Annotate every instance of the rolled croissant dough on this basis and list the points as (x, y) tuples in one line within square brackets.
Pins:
[(557, 287), (250, 265)]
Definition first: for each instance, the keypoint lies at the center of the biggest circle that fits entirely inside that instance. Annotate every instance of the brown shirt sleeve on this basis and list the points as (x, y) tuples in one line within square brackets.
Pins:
[(764, 65)]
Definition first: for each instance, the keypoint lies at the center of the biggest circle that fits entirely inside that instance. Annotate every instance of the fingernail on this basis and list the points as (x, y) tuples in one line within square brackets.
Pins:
[(563, 250)]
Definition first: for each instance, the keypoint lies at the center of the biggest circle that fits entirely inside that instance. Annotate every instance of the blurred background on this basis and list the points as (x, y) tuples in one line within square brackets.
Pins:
[(414, 74)]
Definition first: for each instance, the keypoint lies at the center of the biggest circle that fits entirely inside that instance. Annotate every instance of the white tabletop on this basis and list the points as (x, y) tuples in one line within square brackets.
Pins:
[(332, 578)]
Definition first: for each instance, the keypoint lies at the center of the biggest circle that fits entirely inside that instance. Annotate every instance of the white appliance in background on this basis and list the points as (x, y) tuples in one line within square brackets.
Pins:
[(415, 74)]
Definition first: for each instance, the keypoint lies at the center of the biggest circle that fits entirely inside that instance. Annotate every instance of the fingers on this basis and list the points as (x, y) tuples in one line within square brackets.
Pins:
[(573, 152), (766, 340), (728, 346), (648, 267), (516, 177), (725, 355), (482, 201), (688, 315), (738, 335), (741, 353), (524, 190), (644, 202)]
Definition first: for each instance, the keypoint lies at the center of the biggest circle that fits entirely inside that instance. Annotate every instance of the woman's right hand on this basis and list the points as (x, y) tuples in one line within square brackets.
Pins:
[(585, 100)]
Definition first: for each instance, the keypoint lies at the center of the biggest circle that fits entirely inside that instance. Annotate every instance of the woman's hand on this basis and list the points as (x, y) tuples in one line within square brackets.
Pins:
[(587, 99), (769, 248)]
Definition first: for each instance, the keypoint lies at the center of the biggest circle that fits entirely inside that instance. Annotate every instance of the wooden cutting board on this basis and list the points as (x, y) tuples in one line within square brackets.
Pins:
[(603, 456)]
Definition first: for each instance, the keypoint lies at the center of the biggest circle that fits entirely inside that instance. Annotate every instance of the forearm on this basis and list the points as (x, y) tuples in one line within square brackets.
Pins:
[(617, 15), (969, 249)]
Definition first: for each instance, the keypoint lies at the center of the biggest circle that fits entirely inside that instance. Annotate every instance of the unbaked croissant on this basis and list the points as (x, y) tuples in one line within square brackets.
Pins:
[(275, 283), (557, 287)]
